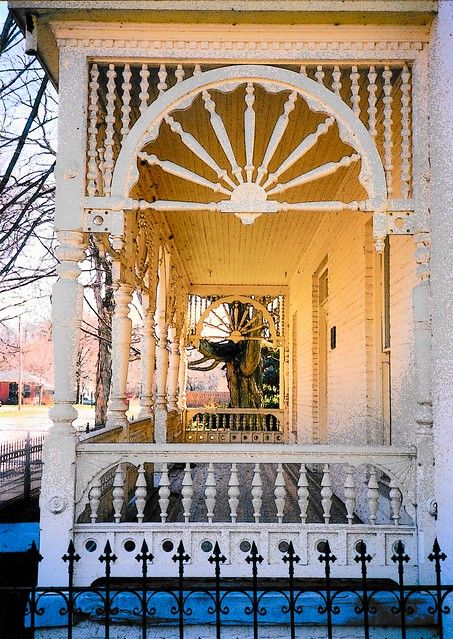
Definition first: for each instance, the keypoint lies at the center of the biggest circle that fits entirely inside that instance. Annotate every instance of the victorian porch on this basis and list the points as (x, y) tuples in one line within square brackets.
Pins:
[(246, 206)]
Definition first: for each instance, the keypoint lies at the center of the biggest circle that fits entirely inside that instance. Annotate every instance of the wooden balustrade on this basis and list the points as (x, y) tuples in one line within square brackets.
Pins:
[(280, 484), (211, 425)]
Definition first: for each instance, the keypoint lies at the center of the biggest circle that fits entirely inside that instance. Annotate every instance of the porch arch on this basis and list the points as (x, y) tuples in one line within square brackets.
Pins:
[(317, 97)]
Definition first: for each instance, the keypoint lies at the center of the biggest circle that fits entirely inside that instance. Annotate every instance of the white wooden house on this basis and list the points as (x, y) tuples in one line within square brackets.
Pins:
[(292, 158)]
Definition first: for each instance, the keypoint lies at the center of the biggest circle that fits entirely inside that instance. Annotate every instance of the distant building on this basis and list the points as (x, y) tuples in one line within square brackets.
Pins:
[(35, 390)]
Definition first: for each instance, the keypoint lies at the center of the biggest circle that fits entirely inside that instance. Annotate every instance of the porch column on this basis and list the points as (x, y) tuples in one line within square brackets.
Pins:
[(441, 206), (59, 453), (182, 374), (173, 369), (121, 342), (148, 353), (56, 501), (162, 356)]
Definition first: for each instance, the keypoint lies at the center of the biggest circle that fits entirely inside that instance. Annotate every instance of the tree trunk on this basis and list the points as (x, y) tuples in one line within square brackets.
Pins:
[(103, 293)]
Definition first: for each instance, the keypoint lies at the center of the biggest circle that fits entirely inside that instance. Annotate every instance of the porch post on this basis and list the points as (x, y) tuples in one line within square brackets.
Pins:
[(148, 353), (173, 369), (121, 341), (182, 374), (441, 206), (162, 356), (59, 454)]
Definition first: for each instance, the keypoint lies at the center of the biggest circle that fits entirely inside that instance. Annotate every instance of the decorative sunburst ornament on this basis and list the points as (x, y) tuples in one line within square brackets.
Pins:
[(250, 190)]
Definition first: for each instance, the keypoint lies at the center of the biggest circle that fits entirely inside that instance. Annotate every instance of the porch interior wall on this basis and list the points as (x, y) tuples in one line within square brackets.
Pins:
[(340, 238), (402, 280)]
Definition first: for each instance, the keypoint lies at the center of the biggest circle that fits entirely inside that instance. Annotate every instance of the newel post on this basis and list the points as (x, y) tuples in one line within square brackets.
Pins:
[(59, 452)]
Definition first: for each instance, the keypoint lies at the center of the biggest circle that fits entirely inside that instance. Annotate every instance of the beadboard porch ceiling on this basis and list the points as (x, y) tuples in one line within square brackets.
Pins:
[(217, 248)]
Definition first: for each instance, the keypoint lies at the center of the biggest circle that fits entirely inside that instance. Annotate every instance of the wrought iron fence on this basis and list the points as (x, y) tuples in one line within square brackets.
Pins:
[(215, 601), (20, 467)]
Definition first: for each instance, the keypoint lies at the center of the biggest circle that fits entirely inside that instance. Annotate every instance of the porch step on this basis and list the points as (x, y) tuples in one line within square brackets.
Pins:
[(245, 510)]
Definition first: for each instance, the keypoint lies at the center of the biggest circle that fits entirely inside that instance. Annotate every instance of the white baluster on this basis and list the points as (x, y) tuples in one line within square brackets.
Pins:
[(395, 501), (164, 493), (355, 97), (118, 493), (349, 493), (373, 495), (405, 133), (257, 493), (92, 168), (319, 74), (197, 70), (336, 83), (95, 500), (144, 88), (303, 70), (233, 493), (388, 142), (210, 493), (280, 493), (179, 73), (187, 492), (249, 130), (140, 493), (326, 493), (162, 74), (302, 493), (109, 129), (126, 106), (372, 110)]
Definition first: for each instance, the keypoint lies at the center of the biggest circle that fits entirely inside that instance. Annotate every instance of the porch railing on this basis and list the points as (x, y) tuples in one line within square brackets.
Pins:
[(279, 492), (211, 425)]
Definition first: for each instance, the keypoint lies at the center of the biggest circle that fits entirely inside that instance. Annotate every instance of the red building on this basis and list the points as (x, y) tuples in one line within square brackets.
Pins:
[(35, 390)]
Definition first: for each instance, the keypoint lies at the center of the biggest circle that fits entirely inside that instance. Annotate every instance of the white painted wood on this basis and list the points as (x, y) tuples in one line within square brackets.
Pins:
[(336, 80), (144, 88), (249, 130), (121, 340), (92, 166), (303, 493), (388, 121), (182, 374), (148, 352), (276, 136), (372, 100), (95, 500), (233, 493), (349, 493), (320, 74), (355, 97), (187, 492), (301, 149), (257, 493), (141, 491), (126, 106), (326, 492), (164, 493), (280, 493), (395, 501), (118, 493), (173, 369), (405, 133), (162, 74), (373, 495), (109, 164), (210, 493), (221, 134)]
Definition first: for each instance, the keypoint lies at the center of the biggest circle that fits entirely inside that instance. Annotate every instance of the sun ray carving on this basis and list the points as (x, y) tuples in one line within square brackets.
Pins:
[(250, 190)]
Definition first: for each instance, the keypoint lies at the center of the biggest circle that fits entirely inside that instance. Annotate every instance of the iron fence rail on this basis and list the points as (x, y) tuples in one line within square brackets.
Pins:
[(20, 467), (254, 602)]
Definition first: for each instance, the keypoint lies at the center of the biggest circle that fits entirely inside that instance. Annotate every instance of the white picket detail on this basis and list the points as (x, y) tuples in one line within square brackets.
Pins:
[(141, 492), (233, 493), (187, 492), (118, 493), (349, 493), (280, 493), (395, 502), (164, 493), (326, 493), (210, 493), (303, 493), (95, 500), (257, 493), (373, 495)]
